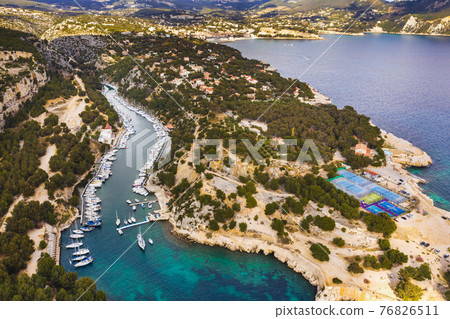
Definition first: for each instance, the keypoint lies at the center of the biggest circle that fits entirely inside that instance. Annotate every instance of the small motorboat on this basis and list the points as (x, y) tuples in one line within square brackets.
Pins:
[(125, 222), (143, 205), (77, 231), (150, 241), (120, 231), (136, 200), (85, 228), (134, 207), (128, 201)]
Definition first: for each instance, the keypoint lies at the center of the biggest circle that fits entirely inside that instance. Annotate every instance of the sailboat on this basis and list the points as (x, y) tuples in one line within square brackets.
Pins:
[(75, 244), (84, 262), (78, 258), (77, 230), (141, 241), (76, 236), (82, 251), (117, 220)]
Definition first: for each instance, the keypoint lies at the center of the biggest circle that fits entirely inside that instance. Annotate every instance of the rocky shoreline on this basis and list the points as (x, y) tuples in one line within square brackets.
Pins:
[(310, 270)]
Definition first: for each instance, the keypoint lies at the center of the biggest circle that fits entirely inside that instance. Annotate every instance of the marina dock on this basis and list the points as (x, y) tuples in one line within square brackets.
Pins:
[(144, 202), (146, 221)]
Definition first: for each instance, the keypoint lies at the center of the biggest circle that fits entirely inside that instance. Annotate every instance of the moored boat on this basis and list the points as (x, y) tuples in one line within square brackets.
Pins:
[(82, 251), (76, 236), (75, 245), (78, 258), (86, 228), (117, 220), (84, 262)]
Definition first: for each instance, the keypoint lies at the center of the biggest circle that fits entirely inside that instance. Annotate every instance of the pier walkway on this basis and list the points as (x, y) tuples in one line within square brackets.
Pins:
[(147, 220), (144, 202)]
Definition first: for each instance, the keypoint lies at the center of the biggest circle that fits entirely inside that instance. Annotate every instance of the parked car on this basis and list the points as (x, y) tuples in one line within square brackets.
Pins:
[(427, 245), (443, 217)]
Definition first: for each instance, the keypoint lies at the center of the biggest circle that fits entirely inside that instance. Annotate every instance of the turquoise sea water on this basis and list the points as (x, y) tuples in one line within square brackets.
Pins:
[(173, 269), (401, 81)]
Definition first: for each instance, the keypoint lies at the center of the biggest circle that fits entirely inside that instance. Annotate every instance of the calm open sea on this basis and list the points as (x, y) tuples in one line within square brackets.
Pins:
[(401, 81)]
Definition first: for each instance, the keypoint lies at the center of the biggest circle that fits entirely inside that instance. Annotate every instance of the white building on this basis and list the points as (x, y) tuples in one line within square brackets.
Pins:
[(106, 135)]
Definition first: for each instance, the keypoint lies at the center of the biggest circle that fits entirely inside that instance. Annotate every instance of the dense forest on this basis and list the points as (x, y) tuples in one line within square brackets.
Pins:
[(22, 143), (161, 60)]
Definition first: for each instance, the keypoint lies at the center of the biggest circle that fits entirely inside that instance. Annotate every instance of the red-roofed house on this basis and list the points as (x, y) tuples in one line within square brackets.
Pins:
[(362, 149)]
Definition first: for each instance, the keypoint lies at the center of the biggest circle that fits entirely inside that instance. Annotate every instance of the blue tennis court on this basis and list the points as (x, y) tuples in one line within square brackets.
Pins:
[(393, 197), (394, 209), (374, 209), (355, 179), (350, 188)]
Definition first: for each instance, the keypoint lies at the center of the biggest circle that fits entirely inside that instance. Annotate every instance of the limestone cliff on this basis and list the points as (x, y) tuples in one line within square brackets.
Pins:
[(403, 152), (23, 81)]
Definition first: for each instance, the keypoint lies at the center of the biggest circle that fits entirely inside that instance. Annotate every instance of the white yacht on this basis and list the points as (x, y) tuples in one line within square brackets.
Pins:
[(84, 262), (82, 251), (76, 236), (141, 241), (117, 220), (75, 245)]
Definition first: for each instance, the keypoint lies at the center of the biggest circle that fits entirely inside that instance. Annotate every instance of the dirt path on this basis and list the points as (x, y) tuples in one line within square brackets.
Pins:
[(36, 235)]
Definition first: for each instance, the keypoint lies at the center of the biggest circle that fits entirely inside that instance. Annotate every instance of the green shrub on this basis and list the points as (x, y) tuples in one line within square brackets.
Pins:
[(355, 268), (243, 227), (338, 241), (320, 252)]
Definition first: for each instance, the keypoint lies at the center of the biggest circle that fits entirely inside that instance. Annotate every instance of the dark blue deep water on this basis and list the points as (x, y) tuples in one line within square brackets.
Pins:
[(401, 81), (173, 269)]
